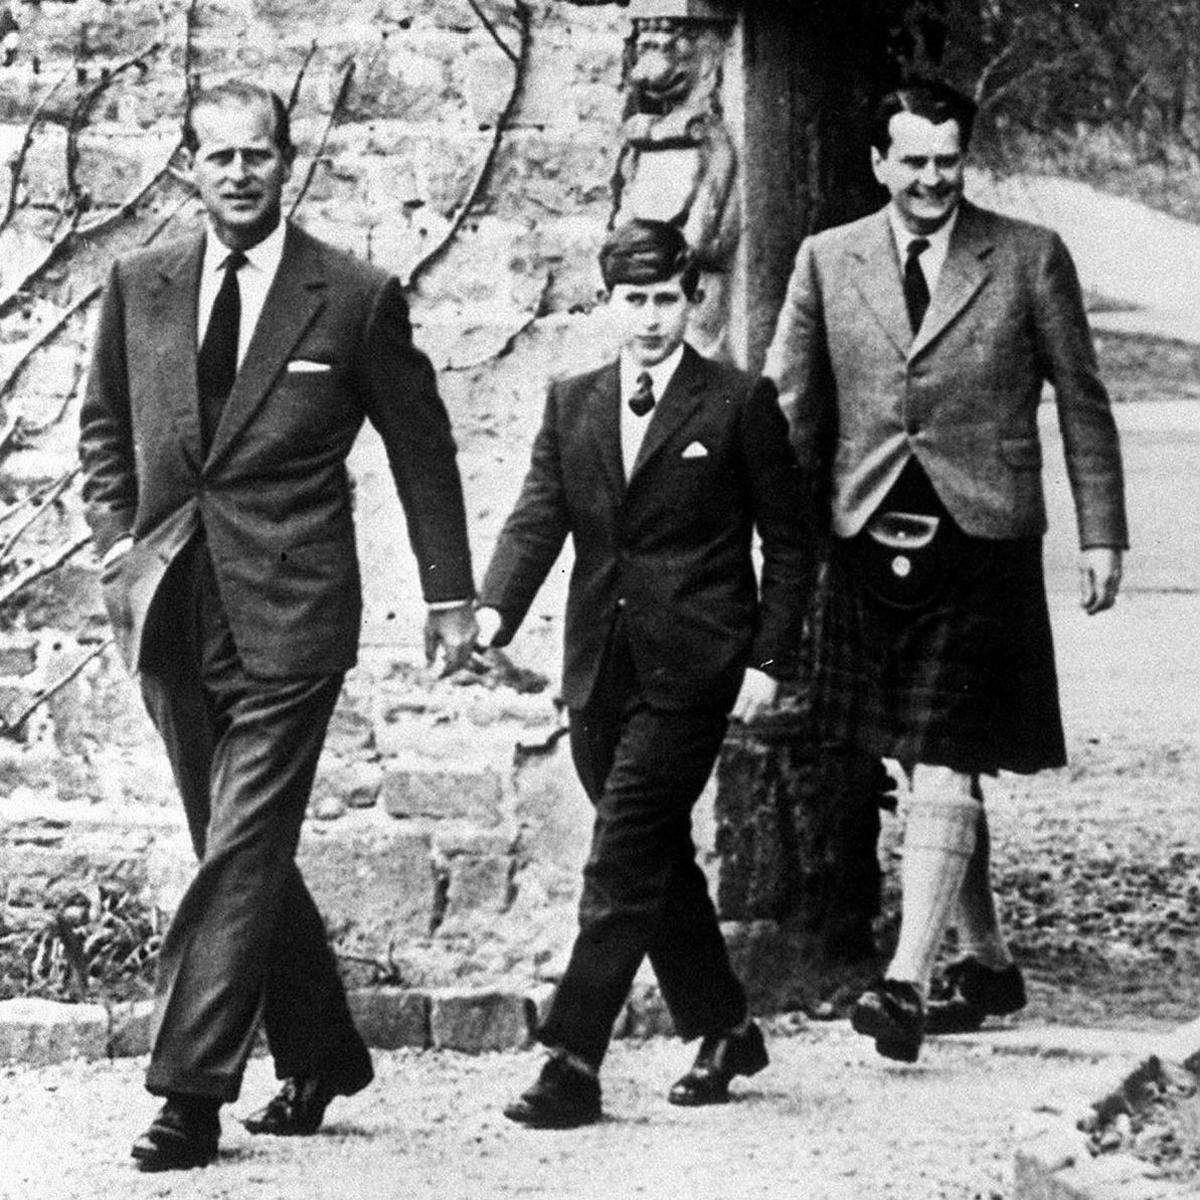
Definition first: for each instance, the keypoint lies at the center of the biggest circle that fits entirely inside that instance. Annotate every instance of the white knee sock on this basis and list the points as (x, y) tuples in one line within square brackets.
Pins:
[(979, 933), (939, 838)]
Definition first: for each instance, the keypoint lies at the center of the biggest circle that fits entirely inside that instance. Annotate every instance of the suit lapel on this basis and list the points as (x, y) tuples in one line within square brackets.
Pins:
[(603, 408), (964, 272), (296, 295), (174, 299), (678, 402), (875, 271)]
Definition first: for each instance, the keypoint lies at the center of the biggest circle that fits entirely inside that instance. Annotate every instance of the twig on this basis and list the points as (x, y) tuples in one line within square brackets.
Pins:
[(48, 497), (490, 26), (87, 102), (315, 160), (45, 694), (131, 202), (296, 83), (29, 498), (38, 570), (489, 162), (42, 340), (17, 166), (539, 310)]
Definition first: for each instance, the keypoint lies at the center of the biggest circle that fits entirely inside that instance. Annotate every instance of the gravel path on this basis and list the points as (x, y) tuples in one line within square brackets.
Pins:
[(829, 1120)]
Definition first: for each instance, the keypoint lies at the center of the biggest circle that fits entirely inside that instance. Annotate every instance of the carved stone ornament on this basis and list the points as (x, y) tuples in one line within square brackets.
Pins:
[(677, 161)]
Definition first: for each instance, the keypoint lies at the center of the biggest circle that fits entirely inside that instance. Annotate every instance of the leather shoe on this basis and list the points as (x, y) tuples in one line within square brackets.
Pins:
[(970, 993), (564, 1096), (721, 1057), (184, 1134), (893, 1013), (298, 1109)]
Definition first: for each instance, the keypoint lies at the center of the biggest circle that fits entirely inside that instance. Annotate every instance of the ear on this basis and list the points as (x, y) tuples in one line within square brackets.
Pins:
[(877, 164)]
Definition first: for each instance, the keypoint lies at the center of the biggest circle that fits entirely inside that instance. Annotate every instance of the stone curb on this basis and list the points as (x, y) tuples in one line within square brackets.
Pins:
[(1056, 1161)]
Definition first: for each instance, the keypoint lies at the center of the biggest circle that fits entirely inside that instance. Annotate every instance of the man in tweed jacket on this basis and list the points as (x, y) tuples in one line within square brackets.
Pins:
[(910, 355)]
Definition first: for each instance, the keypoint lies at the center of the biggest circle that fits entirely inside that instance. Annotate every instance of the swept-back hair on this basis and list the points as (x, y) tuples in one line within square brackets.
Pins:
[(929, 98), (241, 93)]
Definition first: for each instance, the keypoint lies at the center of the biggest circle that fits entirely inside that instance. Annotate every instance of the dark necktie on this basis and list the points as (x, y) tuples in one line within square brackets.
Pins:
[(216, 364), (916, 290), (642, 400)]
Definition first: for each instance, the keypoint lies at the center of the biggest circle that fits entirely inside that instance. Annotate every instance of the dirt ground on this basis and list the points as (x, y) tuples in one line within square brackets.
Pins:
[(828, 1120)]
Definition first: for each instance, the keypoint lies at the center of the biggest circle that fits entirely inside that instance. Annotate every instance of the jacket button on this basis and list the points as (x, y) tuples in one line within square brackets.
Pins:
[(621, 602)]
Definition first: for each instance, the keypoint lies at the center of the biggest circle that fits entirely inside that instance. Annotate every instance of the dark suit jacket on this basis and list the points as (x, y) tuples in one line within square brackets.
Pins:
[(962, 396), (672, 550), (272, 495)]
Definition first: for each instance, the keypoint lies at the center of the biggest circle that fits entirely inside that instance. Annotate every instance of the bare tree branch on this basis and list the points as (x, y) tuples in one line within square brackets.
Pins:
[(17, 166), (489, 162), (335, 111), (299, 80), (39, 570), (490, 26), (48, 497), (30, 498), (10, 726)]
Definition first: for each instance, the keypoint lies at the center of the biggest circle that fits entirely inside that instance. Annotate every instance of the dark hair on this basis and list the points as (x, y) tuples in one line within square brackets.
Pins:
[(643, 251), (241, 93), (929, 98)]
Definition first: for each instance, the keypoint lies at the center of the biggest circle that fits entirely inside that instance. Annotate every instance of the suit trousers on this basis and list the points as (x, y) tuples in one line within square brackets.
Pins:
[(643, 892), (246, 942)]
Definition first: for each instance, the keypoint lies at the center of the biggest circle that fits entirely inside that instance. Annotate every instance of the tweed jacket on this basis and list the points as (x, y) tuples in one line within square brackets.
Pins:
[(863, 394), (670, 550), (331, 349)]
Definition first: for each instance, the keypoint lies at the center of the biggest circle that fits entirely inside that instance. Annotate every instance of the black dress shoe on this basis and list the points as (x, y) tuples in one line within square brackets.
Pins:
[(184, 1134), (299, 1107), (970, 993), (563, 1097), (721, 1057), (893, 1013)]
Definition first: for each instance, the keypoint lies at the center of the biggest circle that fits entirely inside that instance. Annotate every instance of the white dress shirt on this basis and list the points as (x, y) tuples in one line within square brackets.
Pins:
[(633, 427), (932, 260), (254, 281)]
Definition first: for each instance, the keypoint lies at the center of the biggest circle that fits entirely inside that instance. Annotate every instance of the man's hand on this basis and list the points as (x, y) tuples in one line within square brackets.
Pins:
[(118, 549), (453, 629), (758, 692), (1099, 578), (489, 620)]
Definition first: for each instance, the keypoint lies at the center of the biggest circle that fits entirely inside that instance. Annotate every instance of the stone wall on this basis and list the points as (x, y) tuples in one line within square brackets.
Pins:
[(447, 829)]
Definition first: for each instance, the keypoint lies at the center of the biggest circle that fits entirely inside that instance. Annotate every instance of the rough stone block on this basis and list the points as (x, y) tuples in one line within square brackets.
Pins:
[(355, 784), (371, 877), (478, 1021), (18, 654), (463, 793), (41, 1032), (478, 885), (389, 1018), (129, 1028)]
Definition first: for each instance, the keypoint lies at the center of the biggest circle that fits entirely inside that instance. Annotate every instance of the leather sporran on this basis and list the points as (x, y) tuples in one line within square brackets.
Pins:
[(903, 559)]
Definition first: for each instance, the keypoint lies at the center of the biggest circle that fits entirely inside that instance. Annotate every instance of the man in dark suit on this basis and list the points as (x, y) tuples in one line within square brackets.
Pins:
[(659, 466), (231, 374), (911, 353)]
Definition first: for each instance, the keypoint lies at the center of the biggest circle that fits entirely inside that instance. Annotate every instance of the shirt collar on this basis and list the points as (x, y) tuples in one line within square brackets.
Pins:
[(660, 374), (264, 256), (939, 239)]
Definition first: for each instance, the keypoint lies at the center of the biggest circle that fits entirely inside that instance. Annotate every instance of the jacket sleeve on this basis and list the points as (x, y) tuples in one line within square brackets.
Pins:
[(1068, 360), (798, 363), (782, 507), (534, 533), (106, 451), (401, 400)]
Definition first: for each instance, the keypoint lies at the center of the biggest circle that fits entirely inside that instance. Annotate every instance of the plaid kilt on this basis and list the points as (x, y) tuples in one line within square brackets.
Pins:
[(967, 681)]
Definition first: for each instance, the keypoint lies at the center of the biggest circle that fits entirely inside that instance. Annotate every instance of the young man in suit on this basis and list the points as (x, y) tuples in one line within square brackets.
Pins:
[(659, 466), (231, 374), (910, 354)]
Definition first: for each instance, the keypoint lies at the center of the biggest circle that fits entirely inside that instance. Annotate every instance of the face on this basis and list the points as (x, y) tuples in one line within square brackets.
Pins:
[(239, 172), (923, 170), (651, 318)]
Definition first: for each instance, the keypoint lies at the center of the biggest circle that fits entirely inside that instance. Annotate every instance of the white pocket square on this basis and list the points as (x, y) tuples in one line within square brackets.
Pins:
[(695, 450), (306, 366)]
